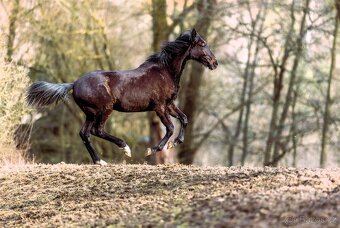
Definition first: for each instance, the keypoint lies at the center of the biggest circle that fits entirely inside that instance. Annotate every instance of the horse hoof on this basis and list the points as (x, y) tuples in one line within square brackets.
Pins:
[(148, 152), (127, 151), (171, 144), (101, 162)]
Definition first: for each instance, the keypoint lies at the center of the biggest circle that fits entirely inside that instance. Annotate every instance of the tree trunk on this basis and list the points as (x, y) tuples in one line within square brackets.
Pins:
[(251, 84), (187, 153), (293, 127), (160, 34), (292, 82), (277, 88), (187, 150), (242, 101), (326, 117)]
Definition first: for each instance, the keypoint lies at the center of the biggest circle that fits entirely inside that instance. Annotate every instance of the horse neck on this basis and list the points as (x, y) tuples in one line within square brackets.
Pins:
[(177, 66)]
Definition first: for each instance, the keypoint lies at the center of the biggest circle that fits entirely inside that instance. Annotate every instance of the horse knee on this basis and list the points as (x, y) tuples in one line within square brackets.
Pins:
[(94, 131), (99, 133)]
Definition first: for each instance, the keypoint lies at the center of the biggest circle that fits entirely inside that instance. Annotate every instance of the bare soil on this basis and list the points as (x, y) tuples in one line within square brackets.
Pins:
[(175, 195)]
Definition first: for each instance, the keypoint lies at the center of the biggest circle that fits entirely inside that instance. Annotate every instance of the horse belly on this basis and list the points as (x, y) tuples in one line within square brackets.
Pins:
[(134, 102)]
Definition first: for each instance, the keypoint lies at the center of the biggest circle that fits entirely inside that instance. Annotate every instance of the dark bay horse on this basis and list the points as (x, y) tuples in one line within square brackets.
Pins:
[(153, 86)]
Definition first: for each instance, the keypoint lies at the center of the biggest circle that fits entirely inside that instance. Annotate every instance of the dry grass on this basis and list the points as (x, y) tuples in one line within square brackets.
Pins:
[(14, 82), (10, 155), (168, 196)]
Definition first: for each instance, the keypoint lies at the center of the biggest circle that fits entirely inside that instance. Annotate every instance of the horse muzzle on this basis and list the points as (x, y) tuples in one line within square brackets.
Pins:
[(213, 64)]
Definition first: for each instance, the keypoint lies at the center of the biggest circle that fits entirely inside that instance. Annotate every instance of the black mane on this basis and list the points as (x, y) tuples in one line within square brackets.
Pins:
[(171, 50)]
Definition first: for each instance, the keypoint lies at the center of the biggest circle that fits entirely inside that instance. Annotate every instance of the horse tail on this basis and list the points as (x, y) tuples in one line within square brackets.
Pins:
[(44, 93)]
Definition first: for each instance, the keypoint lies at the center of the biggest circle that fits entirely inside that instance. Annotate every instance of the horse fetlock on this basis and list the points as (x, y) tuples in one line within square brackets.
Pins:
[(152, 150), (171, 144), (101, 162), (127, 150), (148, 152), (179, 140)]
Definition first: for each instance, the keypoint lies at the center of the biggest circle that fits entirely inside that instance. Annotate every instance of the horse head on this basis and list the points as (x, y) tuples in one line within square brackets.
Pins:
[(201, 52)]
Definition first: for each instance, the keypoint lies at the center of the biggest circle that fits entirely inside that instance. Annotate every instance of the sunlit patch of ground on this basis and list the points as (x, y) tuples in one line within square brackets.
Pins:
[(88, 195)]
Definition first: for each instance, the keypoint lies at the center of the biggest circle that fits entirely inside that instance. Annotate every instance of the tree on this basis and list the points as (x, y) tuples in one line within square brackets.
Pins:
[(278, 144), (261, 16), (279, 72), (161, 32), (187, 150), (326, 116)]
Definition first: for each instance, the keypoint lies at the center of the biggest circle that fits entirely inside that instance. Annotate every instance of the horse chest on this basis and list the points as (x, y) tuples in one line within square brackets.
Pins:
[(171, 95)]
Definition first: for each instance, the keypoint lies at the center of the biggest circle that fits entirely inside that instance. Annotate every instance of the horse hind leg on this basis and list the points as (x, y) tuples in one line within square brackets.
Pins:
[(98, 130), (86, 136)]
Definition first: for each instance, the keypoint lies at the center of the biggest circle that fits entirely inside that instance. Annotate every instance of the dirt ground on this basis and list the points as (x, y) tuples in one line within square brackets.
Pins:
[(175, 195)]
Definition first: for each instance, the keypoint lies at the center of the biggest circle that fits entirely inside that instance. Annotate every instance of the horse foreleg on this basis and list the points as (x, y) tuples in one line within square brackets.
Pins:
[(86, 136), (165, 119), (175, 112)]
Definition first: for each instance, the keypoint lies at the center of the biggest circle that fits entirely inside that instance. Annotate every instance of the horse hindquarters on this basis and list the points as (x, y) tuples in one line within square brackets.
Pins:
[(94, 97), (93, 94)]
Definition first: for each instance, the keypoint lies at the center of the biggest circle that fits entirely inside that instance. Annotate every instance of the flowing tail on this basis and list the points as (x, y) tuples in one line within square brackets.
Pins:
[(43, 93)]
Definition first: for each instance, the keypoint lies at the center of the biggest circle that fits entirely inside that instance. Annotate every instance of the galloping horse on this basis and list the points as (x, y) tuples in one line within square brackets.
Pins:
[(153, 86)]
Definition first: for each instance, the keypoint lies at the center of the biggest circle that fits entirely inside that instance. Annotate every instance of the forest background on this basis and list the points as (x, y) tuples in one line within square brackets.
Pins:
[(273, 100)]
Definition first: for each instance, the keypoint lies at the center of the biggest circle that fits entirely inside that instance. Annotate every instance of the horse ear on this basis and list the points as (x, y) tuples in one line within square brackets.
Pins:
[(193, 34)]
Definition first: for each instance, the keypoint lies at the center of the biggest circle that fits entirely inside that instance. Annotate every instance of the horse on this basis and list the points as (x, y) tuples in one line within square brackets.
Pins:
[(153, 86)]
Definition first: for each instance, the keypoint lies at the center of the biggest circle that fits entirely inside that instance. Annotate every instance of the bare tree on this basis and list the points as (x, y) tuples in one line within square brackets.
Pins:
[(261, 16), (187, 150), (238, 129), (279, 72), (161, 32), (292, 81), (326, 116)]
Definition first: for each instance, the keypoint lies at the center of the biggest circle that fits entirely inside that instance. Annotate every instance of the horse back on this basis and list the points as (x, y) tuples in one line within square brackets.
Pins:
[(141, 89)]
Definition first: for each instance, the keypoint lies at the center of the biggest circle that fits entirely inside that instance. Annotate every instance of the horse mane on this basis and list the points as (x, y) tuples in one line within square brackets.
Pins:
[(170, 50)]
